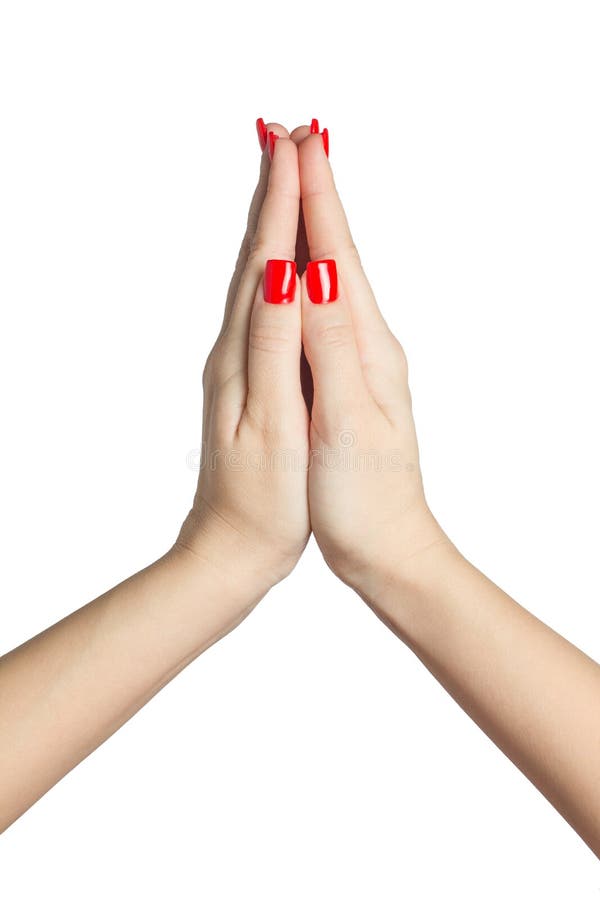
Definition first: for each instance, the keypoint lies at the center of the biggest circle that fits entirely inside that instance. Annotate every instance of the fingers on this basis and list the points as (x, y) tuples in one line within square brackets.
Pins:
[(275, 235), (330, 346), (274, 347), (251, 222), (276, 228), (302, 131), (326, 224), (253, 214), (327, 231)]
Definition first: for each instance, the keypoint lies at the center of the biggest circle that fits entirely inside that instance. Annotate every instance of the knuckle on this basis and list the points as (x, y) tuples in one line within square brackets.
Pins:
[(264, 420), (352, 252), (335, 335), (259, 252), (208, 373), (222, 428), (387, 356), (400, 360), (246, 247), (269, 338), (218, 365)]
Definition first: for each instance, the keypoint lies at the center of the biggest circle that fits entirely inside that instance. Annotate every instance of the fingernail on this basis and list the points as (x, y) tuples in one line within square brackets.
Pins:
[(272, 137), (322, 281), (261, 130), (325, 136), (314, 126), (279, 283)]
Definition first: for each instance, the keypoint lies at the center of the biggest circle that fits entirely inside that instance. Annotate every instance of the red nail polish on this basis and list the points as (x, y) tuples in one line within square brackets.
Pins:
[(325, 136), (314, 126), (322, 281), (279, 282), (261, 130), (272, 137)]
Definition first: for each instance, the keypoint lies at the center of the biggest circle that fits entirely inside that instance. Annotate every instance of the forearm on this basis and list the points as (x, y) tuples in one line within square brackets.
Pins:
[(69, 688), (535, 694)]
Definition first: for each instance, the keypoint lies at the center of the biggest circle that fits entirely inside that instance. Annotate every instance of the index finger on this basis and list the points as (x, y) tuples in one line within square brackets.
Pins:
[(275, 233), (274, 238), (252, 220), (327, 229)]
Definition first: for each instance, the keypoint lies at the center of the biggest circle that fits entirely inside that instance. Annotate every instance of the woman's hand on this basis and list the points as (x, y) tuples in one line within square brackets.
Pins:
[(530, 690), (251, 504), (367, 506), (66, 690)]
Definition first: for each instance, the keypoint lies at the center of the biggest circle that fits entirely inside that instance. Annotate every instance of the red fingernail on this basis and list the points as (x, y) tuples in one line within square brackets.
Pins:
[(314, 126), (322, 281), (325, 136), (261, 130), (272, 137), (279, 283)]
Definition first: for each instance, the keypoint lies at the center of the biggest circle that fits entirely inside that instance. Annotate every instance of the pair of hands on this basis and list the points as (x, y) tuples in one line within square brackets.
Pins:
[(291, 443)]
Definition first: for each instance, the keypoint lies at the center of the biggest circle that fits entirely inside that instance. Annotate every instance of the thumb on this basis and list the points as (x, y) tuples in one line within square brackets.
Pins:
[(331, 350), (274, 345)]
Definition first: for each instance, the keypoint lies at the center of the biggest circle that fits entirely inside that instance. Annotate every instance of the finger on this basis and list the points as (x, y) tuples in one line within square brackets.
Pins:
[(327, 226), (330, 346), (275, 238), (302, 131), (274, 346), (328, 234), (278, 219), (299, 133), (253, 215)]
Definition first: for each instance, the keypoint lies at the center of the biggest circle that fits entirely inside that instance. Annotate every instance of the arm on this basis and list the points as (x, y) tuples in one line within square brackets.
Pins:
[(535, 694), (65, 691), (69, 688)]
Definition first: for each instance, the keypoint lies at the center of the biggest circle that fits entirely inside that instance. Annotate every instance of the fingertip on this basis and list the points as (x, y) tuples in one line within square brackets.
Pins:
[(316, 175), (315, 147), (261, 131), (282, 155), (268, 133), (280, 130), (272, 138), (300, 133)]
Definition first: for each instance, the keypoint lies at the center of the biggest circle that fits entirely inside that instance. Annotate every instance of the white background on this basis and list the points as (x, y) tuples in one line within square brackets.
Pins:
[(308, 754)]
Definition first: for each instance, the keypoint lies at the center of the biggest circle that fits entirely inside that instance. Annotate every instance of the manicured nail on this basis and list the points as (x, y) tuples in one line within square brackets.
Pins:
[(272, 137), (321, 281), (314, 126), (261, 130), (279, 283), (325, 136)]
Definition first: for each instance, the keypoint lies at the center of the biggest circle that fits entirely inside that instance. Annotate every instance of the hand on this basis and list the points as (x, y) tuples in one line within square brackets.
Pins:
[(367, 506), (250, 513), (247, 528)]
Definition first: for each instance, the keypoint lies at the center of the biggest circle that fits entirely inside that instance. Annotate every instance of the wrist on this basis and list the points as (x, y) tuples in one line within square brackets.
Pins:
[(245, 569), (407, 594), (394, 553), (408, 559)]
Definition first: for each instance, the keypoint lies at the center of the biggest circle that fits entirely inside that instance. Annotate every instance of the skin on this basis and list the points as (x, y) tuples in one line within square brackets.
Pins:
[(355, 481)]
